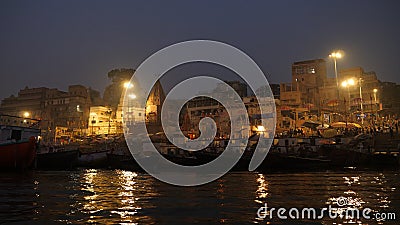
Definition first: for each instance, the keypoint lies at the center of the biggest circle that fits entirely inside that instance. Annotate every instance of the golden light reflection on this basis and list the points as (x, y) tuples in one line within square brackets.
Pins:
[(349, 199), (127, 196), (88, 187), (109, 196), (262, 190)]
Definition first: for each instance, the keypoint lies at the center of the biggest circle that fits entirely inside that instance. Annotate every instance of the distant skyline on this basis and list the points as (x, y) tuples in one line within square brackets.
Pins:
[(59, 43)]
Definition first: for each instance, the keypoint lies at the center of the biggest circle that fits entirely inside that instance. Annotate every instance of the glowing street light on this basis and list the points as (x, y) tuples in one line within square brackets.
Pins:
[(26, 114), (346, 84), (261, 129), (336, 55), (132, 96), (376, 106), (375, 91), (128, 85)]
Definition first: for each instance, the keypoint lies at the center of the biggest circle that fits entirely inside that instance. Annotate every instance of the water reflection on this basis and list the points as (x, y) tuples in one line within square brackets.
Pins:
[(361, 192), (123, 197), (108, 197), (262, 189)]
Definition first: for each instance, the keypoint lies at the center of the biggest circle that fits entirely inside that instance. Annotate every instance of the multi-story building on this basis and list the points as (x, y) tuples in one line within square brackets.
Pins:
[(101, 121), (30, 102), (307, 78), (55, 108), (358, 92), (315, 94), (390, 95)]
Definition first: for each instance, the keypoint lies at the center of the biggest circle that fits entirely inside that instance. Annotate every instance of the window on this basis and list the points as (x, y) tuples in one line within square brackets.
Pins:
[(16, 135), (299, 70), (311, 70)]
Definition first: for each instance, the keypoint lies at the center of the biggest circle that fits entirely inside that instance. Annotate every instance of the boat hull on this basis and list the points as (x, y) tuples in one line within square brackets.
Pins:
[(65, 160), (18, 155), (123, 162), (93, 159)]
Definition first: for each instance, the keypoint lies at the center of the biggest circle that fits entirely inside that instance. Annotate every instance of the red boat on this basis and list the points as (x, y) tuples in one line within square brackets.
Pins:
[(18, 141)]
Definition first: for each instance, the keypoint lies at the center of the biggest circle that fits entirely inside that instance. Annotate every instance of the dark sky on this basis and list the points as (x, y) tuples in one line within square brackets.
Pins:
[(57, 43)]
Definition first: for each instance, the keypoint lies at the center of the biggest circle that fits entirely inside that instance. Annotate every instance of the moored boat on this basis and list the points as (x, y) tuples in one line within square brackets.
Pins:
[(18, 138), (96, 159), (57, 159)]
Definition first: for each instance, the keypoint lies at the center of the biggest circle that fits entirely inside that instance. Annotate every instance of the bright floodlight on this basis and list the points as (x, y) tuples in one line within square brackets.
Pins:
[(336, 55), (351, 81), (128, 85), (375, 90), (26, 114), (260, 128), (344, 83)]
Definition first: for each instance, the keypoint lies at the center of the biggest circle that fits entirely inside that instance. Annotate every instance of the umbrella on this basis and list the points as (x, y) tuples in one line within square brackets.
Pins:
[(323, 126), (354, 125), (334, 102), (311, 124), (338, 124), (343, 125)]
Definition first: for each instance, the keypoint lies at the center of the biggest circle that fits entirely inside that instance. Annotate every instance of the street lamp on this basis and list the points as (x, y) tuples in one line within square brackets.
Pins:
[(128, 85), (336, 55), (132, 96), (346, 84), (26, 114), (375, 91), (109, 112), (361, 101), (93, 121), (376, 105)]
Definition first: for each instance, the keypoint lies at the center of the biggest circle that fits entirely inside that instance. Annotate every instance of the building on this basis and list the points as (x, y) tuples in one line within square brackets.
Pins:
[(66, 110), (276, 90), (101, 121), (30, 102), (390, 96), (358, 91), (315, 95), (307, 78)]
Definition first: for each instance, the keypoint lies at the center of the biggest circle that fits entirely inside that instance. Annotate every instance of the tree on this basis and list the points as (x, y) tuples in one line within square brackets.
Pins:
[(113, 92)]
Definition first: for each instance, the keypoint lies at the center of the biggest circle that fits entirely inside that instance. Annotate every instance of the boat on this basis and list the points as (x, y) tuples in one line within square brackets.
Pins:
[(96, 159), (276, 160), (18, 140), (56, 158), (94, 155)]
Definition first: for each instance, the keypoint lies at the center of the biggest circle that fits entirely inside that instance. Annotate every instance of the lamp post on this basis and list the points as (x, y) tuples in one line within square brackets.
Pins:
[(376, 105), (27, 114), (109, 111), (346, 84), (361, 101), (336, 55)]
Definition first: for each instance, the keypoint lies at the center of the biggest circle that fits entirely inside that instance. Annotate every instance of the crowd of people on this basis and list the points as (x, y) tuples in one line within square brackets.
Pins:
[(383, 127)]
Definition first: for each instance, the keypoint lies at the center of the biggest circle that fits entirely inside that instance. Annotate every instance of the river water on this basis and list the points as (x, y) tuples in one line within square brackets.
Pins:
[(89, 196)]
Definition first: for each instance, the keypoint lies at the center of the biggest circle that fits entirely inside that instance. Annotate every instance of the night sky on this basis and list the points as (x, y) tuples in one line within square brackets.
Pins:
[(58, 43)]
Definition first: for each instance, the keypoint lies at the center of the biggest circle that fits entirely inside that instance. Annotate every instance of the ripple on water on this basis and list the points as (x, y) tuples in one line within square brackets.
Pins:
[(124, 197)]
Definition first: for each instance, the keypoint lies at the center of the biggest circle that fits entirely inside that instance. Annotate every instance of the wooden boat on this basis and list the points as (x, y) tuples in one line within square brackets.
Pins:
[(123, 162), (97, 159), (57, 159), (274, 161), (18, 138)]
